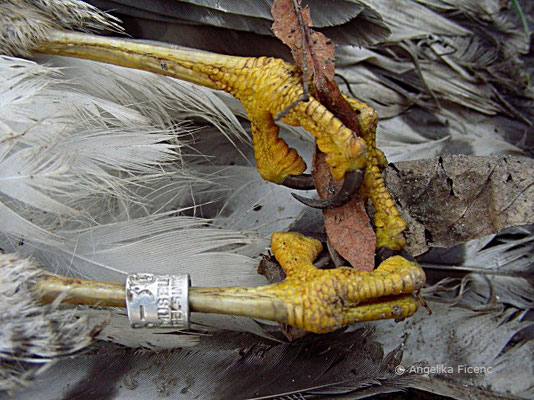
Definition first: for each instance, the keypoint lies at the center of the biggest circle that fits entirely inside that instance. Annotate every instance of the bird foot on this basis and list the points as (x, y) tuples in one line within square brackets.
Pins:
[(324, 300), (319, 300)]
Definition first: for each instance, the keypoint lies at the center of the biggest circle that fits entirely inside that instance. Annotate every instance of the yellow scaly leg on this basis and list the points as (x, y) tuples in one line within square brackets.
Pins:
[(389, 224), (265, 86), (315, 299)]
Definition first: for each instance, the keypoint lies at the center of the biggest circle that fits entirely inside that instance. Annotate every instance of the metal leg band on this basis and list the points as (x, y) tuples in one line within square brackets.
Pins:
[(158, 301)]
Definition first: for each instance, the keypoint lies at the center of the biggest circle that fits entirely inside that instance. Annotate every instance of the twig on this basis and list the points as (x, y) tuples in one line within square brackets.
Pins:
[(305, 95)]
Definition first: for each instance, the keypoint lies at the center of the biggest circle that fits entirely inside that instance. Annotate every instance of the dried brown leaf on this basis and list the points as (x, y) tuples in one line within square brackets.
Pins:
[(452, 199), (348, 227), (313, 52), (292, 27)]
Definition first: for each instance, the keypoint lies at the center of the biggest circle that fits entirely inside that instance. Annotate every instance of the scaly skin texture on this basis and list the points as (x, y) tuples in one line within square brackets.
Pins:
[(265, 86), (319, 300), (325, 300), (312, 299), (268, 86), (388, 222)]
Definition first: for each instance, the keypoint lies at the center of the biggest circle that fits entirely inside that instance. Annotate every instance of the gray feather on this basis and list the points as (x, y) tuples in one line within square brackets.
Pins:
[(345, 22), (445, 82), (34, 335), (351, 364)]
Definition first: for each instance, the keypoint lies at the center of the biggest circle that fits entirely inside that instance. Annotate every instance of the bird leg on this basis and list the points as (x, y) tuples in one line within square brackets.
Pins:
[(319, 300), (316, 300), (313, 299), (389, 225), (265, 86), (388, 222)]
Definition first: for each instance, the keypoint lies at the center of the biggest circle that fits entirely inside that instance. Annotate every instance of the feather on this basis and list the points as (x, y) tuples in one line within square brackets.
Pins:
[(501, 269), (454, 336), (87, 186), (43, 149), (476, 321), (342, 20), (68, 14), (163, 102), (114, 208), (414, 20), (34, 335), (351, 364)]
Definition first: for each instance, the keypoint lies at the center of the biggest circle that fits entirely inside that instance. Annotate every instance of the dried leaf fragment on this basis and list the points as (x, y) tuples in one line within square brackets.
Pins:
[(313, 52), (348, 227)]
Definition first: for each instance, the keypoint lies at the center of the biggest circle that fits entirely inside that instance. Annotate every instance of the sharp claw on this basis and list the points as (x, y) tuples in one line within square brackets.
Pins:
[(299, 182), (334, 255), (384, 253), (352, 183)]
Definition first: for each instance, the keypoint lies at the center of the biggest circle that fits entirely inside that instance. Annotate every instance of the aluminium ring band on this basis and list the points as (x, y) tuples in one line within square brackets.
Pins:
[(158, 301)]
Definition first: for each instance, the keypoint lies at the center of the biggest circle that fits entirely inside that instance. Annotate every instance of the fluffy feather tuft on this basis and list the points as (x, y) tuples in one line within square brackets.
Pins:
[(26, 23), (34, 335)]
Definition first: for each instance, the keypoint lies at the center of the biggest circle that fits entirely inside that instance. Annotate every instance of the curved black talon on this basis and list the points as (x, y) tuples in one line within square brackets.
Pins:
[(299, 182), (353, 181), (384, 253), (334, 255)]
